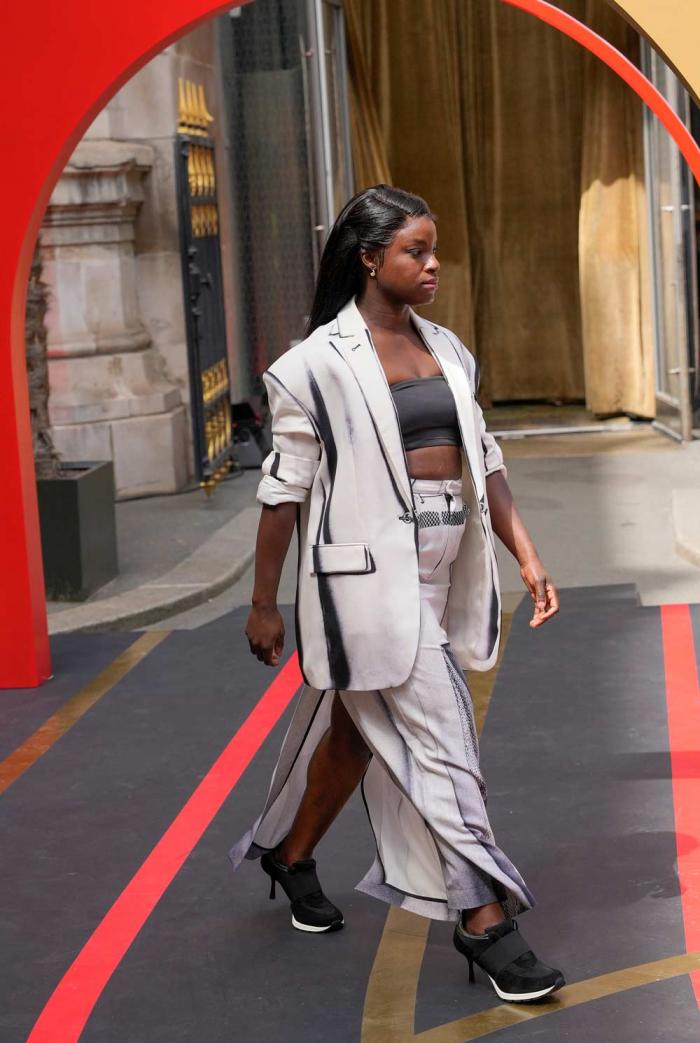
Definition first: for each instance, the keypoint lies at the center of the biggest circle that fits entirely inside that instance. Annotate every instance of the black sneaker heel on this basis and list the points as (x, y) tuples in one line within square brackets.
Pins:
[(311, 910), (516, 974)]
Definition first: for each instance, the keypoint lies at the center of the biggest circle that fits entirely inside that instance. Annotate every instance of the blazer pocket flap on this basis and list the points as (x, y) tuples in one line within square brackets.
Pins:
[(340, 557)]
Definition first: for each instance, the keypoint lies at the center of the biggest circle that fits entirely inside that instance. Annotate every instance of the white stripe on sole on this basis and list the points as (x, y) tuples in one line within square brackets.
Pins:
[(314, 930), (515, 996)]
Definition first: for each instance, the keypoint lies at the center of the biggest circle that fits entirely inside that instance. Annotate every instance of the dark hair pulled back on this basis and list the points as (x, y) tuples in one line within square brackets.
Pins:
[(369, 221)]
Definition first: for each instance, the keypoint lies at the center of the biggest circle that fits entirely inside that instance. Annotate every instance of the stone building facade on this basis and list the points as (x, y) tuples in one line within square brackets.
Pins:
[(118, 362)]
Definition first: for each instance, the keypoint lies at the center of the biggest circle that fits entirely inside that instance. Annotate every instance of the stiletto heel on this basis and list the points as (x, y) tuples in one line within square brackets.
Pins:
[(512, 967), (311, 910)]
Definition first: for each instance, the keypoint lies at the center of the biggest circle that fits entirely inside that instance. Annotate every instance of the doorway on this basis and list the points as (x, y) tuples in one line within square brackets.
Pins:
[(536, 171), (673, 221)]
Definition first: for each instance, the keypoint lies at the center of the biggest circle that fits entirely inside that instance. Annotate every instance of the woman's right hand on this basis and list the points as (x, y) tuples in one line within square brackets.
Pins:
[(265, 633)]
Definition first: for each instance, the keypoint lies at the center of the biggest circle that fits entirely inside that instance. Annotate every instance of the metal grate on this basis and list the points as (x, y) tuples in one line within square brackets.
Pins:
[(268, 125)]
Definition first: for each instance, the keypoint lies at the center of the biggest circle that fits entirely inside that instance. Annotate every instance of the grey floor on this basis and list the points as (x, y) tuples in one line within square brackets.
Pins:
[(574, 751), (575, 754)]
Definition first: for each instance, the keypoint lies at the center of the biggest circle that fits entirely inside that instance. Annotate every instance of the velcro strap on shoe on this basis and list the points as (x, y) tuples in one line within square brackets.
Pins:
[(497, 956), (301, 883)]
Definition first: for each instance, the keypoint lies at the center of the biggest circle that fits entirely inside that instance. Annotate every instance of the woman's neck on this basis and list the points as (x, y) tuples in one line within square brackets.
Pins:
[(381, 314)]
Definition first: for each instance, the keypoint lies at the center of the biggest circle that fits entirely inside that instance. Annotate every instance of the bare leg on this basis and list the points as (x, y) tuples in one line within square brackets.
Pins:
[(476, 920), (335, 769)]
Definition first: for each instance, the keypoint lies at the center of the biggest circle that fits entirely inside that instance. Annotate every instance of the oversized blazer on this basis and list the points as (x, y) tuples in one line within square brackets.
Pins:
[(337, 451)]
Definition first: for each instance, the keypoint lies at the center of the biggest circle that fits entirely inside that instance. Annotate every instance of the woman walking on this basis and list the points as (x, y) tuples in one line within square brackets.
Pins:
[(382, 461)]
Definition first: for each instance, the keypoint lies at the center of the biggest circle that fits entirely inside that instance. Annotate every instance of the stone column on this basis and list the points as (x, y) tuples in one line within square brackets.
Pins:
[(110, 397)]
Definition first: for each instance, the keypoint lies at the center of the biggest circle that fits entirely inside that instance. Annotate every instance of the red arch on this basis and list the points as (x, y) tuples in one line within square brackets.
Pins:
[(65, 62), (624, 68)]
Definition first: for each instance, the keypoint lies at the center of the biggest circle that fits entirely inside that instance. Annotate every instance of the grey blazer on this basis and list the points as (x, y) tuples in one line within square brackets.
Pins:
[(338, 452)]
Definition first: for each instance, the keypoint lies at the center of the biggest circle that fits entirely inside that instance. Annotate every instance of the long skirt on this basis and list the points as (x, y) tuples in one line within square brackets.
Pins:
[(423, 790)]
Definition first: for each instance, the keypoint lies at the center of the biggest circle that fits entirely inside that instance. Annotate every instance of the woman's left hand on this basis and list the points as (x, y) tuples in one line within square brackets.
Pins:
[(542, 591)]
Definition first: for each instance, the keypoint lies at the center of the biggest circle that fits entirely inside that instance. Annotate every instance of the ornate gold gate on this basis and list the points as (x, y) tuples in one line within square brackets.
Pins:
[(203, 287)]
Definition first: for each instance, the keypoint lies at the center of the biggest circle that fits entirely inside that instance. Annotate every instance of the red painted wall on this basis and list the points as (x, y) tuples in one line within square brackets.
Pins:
[(62, 62)]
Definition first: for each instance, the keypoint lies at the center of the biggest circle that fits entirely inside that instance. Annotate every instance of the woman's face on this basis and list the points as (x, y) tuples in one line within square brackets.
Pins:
[(409, 271)]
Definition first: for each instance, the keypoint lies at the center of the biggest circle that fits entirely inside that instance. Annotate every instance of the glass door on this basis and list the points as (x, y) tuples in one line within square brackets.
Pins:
[(671, 200)]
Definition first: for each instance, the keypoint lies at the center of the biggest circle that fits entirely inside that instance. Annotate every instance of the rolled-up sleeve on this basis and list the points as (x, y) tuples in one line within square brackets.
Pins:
[(288, 471), (493, 457)]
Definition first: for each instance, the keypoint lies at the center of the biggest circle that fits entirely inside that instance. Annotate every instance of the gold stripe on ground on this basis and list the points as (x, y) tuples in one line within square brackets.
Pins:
[(475, 1026), (390, 1000), (64, 718), (481, 682)]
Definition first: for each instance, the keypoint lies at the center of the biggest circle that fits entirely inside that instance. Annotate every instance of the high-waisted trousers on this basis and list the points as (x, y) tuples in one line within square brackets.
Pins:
[(423, 789)]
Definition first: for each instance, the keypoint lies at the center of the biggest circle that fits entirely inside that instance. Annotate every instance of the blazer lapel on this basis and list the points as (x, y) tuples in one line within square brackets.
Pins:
[(355, 344), (446, 355)]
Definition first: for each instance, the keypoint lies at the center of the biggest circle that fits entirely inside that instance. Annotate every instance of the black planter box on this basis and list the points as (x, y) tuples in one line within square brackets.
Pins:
[(78, 530)]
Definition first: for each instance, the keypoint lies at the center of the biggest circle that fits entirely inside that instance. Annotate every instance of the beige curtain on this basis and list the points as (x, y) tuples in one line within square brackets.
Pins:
[(499, 120), (409, 58), (371, 166), (613, 255)]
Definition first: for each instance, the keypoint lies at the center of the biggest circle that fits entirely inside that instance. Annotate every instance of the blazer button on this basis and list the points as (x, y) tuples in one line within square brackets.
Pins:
[(406, 517)]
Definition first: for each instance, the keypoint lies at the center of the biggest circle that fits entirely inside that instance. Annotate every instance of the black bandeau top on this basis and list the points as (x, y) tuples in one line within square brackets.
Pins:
[(427, 412)]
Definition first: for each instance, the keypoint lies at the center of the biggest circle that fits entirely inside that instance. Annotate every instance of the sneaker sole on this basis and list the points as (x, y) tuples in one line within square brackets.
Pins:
[(335, 926), (526, 997)]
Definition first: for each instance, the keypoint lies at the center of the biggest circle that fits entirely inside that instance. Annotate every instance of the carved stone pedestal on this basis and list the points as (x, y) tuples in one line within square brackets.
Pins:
[(110, 398)]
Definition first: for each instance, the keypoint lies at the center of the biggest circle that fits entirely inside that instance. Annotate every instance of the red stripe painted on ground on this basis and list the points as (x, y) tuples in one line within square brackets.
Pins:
[(64, 1017), (683, 702)]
